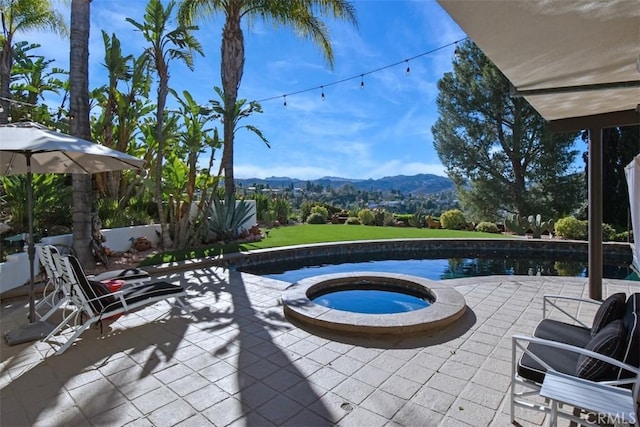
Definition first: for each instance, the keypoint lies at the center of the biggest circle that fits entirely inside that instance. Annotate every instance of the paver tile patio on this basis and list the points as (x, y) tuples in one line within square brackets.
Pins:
[(240, 362)]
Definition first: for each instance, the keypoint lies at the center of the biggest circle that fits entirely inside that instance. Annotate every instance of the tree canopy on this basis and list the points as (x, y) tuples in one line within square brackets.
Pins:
[(496, 148)]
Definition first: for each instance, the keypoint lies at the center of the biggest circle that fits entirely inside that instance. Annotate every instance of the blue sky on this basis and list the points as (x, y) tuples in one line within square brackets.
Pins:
[(381, 130)]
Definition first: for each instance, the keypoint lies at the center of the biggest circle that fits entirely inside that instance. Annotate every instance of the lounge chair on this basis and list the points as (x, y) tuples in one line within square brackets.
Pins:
[(93, 301), (602, 359), (54, 296)]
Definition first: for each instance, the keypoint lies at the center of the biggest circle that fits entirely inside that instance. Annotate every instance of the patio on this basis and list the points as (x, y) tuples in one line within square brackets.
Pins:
[(242, 363)]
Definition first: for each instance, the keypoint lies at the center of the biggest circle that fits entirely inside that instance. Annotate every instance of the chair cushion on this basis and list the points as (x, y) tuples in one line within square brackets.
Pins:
[(611, 309), (610, 341), (631, 349), (101, 296), (145, 292), (129, 275), (559, 360), (555, 330), (633, 303)]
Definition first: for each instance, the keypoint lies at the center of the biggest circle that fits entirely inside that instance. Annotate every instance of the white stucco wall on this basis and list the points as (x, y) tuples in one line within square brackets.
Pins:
[(15, 271)]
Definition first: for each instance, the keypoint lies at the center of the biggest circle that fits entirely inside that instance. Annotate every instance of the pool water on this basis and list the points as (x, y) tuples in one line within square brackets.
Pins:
[(441, 269), (370, 301)]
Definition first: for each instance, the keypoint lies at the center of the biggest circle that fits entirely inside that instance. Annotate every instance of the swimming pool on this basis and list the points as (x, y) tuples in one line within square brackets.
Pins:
[(440, 269)]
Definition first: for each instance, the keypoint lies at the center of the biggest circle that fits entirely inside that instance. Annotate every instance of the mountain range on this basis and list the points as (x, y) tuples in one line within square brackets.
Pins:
[(415, 184)]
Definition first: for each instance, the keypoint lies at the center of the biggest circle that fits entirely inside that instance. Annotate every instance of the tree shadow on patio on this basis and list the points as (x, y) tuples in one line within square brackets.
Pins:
[(270, 388), (126, 373)]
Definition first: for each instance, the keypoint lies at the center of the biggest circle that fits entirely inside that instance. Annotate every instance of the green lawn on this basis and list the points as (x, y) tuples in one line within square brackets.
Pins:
[(316, 233)]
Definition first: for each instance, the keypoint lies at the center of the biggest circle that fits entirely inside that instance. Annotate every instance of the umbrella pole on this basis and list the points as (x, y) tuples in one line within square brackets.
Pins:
[(35, 329), (31, 248)]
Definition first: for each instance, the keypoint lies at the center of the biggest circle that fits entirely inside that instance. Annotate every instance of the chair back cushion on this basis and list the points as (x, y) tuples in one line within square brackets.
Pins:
[(611, 309), (96, 293), (610, 341), (633, 303), (631, 351)]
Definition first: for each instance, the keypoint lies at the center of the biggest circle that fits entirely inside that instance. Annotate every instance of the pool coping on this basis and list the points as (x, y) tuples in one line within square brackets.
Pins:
[(449, 305)]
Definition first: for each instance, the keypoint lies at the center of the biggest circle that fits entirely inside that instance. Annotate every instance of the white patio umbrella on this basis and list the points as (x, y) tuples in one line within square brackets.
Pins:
[(27, 148)]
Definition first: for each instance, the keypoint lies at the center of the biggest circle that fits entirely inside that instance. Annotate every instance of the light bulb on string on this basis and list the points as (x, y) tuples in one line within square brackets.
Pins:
[(457, 53)]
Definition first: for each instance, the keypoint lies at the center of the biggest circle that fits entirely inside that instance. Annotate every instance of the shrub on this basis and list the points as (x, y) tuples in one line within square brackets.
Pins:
[(305, 209), (379, 215), (269, 217), (623, 237), (418, 219), (570, 227), (487, 227), (352, 220), (453, 220), (389, 220), (321, 210), (608, 232), (282, 207), (404, 218), (316, 218), (367, 217)]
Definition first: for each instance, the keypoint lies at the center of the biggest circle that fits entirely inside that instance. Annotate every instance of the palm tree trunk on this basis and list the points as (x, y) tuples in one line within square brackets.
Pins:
[(80, 126), (163, 90), (232, 67), (6, 60)]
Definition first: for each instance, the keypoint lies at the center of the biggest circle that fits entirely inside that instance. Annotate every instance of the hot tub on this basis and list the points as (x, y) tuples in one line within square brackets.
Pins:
[(444, 304)]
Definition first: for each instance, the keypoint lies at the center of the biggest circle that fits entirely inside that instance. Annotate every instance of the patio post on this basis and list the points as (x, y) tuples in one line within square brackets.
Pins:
[(595, 213)]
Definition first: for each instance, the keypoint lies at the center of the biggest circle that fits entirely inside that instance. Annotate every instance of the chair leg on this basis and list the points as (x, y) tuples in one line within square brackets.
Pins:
[(61, 325), (53, 309), (75, 336), (553, 418)]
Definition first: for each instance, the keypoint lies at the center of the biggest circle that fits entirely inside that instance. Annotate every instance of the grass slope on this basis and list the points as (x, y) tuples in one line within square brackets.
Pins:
[(315, 233)]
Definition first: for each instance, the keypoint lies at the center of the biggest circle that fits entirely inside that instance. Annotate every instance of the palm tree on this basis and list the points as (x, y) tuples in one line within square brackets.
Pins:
[(299, 14), (156, 32), (80, 125), (16, 16), (31, 77)]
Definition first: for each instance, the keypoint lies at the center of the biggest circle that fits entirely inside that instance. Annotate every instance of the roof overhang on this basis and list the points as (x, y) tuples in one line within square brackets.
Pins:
[(577, 62)]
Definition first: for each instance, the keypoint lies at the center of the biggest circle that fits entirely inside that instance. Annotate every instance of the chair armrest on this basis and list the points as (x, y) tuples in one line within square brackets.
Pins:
[(552, 299), (521, 342)]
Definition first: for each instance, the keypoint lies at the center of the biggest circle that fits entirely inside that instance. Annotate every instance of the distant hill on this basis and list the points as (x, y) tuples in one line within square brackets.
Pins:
[(416, 184)]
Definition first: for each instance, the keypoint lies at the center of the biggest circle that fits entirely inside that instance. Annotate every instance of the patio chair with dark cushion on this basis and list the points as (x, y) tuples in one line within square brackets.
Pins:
[(93, 301), (606, 352), (54, 296)]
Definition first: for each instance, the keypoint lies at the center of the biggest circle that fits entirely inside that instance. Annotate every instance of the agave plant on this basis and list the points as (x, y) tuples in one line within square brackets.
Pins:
[(517, 224), (227, 217)]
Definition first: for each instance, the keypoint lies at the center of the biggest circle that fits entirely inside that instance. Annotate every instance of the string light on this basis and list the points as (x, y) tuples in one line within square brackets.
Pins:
[(16, 102), (51, 110), (361, 75)]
